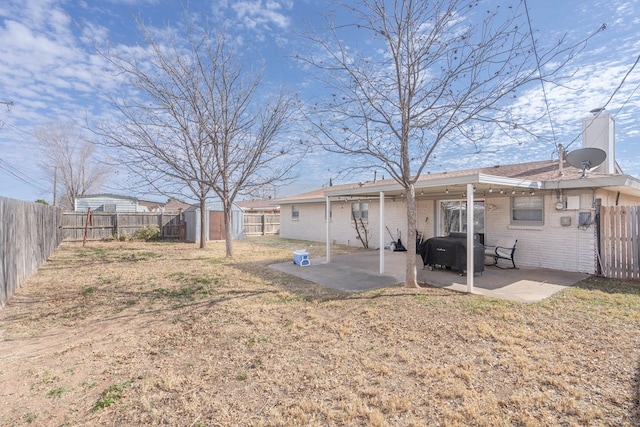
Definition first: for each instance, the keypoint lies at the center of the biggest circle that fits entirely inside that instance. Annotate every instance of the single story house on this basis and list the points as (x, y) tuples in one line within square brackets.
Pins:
[(175, 206), (550, 207), (262, 206), (108, 203), (150, 206)]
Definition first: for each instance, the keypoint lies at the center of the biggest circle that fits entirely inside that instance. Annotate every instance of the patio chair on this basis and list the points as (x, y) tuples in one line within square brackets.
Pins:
[(504, 249)]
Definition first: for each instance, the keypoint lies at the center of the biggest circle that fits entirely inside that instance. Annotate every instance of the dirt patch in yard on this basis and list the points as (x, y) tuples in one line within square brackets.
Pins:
[(166, 334)]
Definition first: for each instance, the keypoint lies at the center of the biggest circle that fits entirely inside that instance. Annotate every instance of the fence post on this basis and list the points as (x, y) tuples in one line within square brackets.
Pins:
[(86, 226), (598, 210), (117, 226)]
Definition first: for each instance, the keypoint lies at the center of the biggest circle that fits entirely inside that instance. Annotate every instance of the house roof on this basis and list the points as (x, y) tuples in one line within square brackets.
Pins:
[(267, 204), (531, 176), (175, 206), (106, 195), (150, 204)]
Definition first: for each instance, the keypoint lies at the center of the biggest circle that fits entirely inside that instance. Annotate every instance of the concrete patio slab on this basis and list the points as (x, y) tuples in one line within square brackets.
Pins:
[(350, 273), (360, 273)]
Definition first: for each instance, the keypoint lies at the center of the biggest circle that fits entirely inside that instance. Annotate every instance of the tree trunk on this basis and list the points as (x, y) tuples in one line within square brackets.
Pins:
[(411, 277), (203, 222), (228, 228)]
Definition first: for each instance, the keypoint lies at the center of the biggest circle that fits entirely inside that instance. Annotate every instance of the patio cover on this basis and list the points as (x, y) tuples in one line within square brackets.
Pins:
[(434, 188)]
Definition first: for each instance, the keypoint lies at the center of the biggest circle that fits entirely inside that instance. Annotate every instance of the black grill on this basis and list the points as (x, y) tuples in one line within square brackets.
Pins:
[(451, 252)]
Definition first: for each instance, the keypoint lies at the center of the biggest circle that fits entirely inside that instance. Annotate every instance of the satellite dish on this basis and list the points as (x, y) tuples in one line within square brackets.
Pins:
[(586, 158)]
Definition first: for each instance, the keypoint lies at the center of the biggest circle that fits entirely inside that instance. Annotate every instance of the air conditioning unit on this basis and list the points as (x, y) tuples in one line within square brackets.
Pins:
[(561, 206)]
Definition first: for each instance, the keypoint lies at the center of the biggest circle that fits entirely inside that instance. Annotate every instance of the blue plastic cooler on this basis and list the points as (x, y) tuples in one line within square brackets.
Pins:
[(301, 257)]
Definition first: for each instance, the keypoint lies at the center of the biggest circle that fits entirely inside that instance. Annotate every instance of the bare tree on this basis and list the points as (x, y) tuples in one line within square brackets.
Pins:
[(426, 74), (198, 120), (70, 163)]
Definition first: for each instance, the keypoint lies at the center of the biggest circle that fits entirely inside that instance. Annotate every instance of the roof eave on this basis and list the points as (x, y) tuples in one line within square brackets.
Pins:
[(477, 178), (623, 183)]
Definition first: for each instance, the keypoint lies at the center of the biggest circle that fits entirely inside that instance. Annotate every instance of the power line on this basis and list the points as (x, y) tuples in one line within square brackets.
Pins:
[(617, 89), (544, 91), (622, 82), (633, 92), (19, 175), (19, 130)]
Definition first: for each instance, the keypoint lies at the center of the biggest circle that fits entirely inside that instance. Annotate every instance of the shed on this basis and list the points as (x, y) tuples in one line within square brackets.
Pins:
[(214, 221)]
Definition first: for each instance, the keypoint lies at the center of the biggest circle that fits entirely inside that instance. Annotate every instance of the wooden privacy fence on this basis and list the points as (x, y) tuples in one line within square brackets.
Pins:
[(106, 225), (29, 234), (619, 243), (261, 224)]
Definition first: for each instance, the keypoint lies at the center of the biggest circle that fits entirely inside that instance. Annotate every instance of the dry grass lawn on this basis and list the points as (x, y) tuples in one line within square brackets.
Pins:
[(165, 334)]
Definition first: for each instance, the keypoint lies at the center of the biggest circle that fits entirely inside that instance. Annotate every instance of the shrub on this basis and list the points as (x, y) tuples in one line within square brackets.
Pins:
[(148, 233), (125, 237)]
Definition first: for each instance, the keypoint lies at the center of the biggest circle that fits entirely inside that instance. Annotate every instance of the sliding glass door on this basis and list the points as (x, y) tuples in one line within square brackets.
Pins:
[(453, 217)]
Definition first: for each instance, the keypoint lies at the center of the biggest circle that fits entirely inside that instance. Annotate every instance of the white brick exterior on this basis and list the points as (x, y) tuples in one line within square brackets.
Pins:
[(551, 245), (311, 224)]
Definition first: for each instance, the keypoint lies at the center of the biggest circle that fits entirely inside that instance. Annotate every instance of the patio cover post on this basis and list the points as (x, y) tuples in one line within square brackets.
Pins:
[(328, 230), (382, 232), (470, 242)]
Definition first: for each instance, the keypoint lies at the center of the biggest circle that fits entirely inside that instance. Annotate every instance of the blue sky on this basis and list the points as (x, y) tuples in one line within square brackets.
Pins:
[(50, 72)]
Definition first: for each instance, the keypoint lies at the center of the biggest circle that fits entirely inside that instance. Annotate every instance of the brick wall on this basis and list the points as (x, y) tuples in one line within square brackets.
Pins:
[(552, 245)]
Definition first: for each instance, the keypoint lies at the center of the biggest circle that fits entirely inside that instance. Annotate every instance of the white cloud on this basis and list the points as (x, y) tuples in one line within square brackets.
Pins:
[(49, 69), (257, 14)]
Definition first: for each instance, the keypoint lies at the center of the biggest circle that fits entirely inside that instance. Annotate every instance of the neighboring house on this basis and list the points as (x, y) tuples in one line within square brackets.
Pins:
[(108, 203), (150, 206), (261, 217), (546, 205), (214, 222), (265, 206), (174, 206)]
